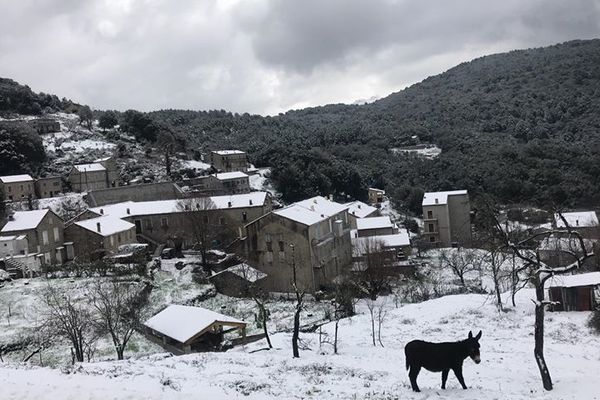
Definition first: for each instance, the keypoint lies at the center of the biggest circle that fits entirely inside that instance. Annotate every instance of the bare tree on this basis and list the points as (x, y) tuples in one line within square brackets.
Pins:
[(70, 207), (299, 293), (118, 309), (66, 318), (344, 301), (527, 250), (372, 279), (461, 261)]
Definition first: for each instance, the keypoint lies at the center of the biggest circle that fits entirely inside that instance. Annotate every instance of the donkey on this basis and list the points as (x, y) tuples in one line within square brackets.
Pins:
[(440, 357)]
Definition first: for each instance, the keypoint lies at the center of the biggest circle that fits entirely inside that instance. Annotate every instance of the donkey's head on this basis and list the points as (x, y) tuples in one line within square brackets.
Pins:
[(472, 344)]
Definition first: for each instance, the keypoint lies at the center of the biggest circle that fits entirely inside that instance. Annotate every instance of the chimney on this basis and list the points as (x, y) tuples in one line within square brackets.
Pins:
[(436, 201), (250, 201), (312, 207), (128, 211), (102, 211), (577, 222), (315, 200), (359, 206), (98, 227), (228, 204)]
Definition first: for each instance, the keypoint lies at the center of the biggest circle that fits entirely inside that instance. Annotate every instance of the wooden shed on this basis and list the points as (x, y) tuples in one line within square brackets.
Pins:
[(185, 329), (579, 292)]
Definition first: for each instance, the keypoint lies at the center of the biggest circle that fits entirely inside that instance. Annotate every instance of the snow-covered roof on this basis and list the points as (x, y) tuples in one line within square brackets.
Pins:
[(228, 152), (311, 211), (90, 167), (360, 209), (108, 225), (230, 175), (580, 219), (554, 243), (16, 178), (182, 323), (374, 223), (102, 159), (435, 198), (396, 240), (245, 271), (12, 237), (133, 208), (24, 220), (588, 279)]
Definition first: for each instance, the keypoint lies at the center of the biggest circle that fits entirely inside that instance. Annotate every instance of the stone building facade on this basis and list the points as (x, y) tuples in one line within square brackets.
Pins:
[(96, 237), (447, 218), (17, 187), (229, 160), (50, 186)]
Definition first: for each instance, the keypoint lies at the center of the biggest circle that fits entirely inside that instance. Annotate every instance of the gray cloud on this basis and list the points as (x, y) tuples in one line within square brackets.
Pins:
[(259, 55)]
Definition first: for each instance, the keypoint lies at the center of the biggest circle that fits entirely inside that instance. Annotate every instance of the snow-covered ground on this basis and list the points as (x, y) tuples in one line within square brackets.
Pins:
[(360, 370)]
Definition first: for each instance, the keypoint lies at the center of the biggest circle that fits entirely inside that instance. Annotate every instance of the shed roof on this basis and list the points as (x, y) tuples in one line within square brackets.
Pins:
[(228, 152), (585, 219), (360, 209), (93, 167), (182, 323), (223, 176), (25, 220), (588, 279), (108, 225), (244, 271), (16, 178), (374, 223), (400, 239), (436, 198)]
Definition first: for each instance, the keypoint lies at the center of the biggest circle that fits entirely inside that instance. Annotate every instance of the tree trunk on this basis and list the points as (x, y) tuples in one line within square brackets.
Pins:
[(296, 331), (335, 337), (539, 335), (263, 314), (120, 351)]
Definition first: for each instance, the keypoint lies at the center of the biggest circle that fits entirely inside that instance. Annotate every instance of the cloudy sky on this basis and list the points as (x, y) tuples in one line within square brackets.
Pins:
[(263, 56)]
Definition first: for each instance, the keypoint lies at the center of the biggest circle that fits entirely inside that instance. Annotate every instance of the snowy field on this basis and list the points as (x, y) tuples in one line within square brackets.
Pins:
[(359, 371)]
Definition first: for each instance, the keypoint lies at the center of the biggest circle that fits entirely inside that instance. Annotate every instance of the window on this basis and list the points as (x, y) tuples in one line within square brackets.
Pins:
[(112, 240), (119, 238), (431, 239), (205, 219), (9, 189), (431, 228), (221, 221), (244, 216), (430, 214), (164, 222), (148, 223), (56, 235), (45, 237), (281, 245)]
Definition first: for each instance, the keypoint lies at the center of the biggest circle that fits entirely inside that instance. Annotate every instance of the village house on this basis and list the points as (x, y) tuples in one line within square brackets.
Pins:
[(447, 218), (17, 187), (358, 209), (219, 184), (15, 257), (50, 186), (45, 234), (185, 329), (45, 125), (579, 292), (311, 236), (376, 196), (13, 245), (96, 237), (141, 192), (229, 160), (162, 221), (390, 250), (100, 174), (375, 226), (584, 222)]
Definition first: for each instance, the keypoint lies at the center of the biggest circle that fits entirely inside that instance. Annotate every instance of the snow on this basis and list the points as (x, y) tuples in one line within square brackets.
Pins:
[(230, 175), (184, 322), (240, 200), (577, 219), (360, 209), (429, 152), (245, 271), (374, 223), (16, 178), (90, 167), (311, 211), (228, 152), (429, 199), (82, 146), (196, 165), (24, 220), (587, 279), (108, 225), (395, 240)]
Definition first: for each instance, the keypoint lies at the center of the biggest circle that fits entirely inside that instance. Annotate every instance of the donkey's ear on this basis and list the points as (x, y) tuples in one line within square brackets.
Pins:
[(470, 335), (478, 335)]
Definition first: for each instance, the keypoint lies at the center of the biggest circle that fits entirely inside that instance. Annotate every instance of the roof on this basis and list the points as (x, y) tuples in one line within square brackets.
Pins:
[(228, 152), (16, 178), (182, 323), (311, 211), (577, 219), (25, 220), (396, 240), (133, 208), (244, 271), (90, 167), (588, 279), (360, 209), (102, 159), (12, 237), (108, 225), (429, 199), (374, 223), (230, 175)]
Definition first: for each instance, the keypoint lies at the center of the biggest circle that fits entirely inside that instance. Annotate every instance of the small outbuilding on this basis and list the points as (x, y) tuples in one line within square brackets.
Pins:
[(185, 329), (579, 292), (238, 280)]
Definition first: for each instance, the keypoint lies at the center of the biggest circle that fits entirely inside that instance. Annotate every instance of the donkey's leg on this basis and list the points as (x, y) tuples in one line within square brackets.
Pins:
[(412, 374), (444, 377), (459, 376)]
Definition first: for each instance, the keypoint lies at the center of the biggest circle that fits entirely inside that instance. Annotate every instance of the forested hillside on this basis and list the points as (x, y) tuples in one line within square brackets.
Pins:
[(522, 126)]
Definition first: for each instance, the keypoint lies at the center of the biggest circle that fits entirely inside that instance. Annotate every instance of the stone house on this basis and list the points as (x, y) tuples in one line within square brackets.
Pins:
[(17, 187), (45, 234), (229, 160), (447, 218), (375, 226), (48, 187), (584, 222), (45, 125), (376, 196), (221, 183), (96, 237), (312, 236), (13, 245), (358, 209), (101, 174), (141, 192)]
